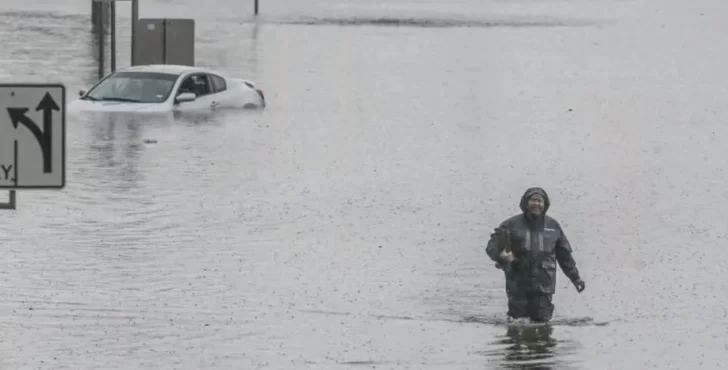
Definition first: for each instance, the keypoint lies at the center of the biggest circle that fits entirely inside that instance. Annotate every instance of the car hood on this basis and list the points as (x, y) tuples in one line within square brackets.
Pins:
[(116, 106)]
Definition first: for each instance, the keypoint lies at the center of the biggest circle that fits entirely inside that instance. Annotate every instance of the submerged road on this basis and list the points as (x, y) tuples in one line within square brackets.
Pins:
[(344, 226)]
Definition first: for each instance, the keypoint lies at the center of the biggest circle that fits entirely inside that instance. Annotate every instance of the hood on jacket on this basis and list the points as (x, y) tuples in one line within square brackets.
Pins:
[(532, 191)]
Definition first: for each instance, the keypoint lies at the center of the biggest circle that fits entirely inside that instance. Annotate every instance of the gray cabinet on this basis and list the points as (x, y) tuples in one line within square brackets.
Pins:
[(164, 41)]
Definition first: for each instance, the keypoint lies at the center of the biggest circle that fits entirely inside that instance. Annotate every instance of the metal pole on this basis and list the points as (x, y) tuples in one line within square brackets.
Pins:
[(112, 19), (100, 29), (134, 19), (94, 6), (255, 2), (11, 204)]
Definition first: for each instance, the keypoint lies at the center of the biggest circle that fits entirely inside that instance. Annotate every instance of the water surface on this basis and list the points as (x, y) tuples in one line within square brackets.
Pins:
[(343, 227)]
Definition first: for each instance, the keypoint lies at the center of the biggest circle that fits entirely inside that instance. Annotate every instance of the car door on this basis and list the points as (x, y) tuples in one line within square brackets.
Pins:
[(199, 84), (222, 96)]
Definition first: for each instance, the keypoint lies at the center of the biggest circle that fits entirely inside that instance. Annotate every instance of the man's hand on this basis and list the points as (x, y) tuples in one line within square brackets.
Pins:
[(579, 284), (506, 256)]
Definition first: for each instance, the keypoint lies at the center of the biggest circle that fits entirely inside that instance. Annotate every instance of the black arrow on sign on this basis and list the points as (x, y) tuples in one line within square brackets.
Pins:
[(45, 138)]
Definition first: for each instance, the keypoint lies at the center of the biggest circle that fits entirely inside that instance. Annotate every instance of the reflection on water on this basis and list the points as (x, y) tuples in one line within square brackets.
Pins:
[(529, 347), (116, 146)]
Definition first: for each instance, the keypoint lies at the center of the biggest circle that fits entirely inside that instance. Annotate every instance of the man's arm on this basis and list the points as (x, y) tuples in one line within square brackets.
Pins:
[(564, 257), (495, 245)]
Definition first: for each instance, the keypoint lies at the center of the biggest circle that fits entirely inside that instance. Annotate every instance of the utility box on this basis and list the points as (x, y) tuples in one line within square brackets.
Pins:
[(164, 41)]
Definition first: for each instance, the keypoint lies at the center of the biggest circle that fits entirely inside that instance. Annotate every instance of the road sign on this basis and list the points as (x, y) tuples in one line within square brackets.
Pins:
[(32, 136)]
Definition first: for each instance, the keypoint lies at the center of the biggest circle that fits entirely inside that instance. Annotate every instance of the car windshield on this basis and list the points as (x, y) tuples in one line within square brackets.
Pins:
[(135, 87)]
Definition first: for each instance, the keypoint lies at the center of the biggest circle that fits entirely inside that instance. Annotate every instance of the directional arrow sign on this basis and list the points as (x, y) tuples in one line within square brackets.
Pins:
[(32, 136)]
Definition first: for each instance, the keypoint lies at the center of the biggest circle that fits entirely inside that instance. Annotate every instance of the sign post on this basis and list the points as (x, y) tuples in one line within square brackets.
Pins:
[(112, 19), (11, 202), (32, 138)]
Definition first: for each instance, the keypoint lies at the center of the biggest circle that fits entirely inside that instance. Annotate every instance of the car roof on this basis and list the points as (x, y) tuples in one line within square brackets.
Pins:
[(165, 68)]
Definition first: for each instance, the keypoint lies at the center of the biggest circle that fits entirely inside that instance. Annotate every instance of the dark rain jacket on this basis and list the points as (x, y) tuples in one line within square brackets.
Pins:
[(537, 245)]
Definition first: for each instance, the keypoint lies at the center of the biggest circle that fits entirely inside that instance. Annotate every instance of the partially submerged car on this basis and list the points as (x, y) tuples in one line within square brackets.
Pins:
[(168, 88)]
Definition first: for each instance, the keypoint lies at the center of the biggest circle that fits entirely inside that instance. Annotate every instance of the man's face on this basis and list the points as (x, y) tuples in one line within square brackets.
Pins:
[(535, 204)]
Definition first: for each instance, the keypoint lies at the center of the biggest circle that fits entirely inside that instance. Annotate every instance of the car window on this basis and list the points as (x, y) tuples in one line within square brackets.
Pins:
[(140, 87), (197, 84), (218, 83)]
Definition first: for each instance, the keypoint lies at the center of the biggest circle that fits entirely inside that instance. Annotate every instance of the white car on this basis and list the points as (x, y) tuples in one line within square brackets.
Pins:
[(168, 88)]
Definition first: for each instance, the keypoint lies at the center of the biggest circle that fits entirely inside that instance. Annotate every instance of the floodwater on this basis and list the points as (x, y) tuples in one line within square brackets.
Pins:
[(343, 227)]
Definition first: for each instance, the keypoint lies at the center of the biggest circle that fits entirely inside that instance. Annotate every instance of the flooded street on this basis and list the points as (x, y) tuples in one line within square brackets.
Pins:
[(344, 226)]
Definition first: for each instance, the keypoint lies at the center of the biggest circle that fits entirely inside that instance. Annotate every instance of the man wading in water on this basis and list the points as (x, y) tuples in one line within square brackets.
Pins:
[(527, 247)]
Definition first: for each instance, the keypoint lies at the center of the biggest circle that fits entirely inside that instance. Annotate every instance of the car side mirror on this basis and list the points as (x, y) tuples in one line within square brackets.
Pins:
[(185, 97), (82, 93)]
